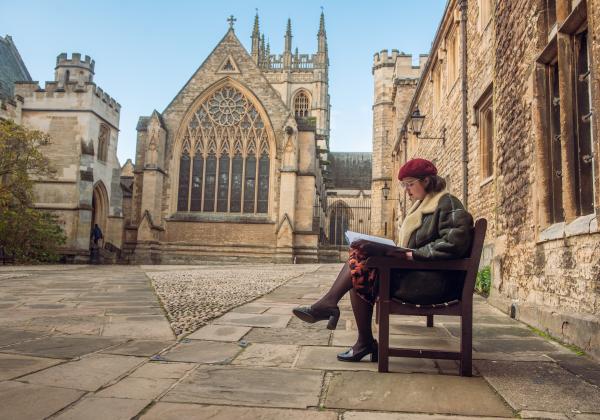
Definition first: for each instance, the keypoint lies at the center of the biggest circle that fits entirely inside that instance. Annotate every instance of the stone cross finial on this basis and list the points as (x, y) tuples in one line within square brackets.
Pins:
[(231, 21)]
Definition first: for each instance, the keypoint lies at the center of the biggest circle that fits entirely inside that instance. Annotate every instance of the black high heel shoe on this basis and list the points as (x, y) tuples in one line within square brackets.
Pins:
[(310, 315), (351, 356)]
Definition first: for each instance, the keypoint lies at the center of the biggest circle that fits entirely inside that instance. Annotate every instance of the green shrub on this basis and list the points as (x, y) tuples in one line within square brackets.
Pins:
[(484, 281), (28, 234)]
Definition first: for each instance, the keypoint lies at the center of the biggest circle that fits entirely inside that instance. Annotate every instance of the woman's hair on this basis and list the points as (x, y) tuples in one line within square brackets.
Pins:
[(436, 183)]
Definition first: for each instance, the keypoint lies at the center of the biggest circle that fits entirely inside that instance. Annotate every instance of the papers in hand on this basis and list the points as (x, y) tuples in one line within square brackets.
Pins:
[(352, 237)]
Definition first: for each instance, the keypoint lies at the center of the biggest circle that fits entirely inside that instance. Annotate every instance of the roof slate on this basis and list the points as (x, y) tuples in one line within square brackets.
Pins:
[(12, 68)]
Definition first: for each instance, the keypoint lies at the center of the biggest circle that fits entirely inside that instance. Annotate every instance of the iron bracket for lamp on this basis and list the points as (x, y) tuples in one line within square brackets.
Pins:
[(442, 138)]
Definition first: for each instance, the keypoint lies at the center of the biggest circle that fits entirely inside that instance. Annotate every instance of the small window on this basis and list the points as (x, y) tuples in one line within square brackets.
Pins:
[(437, 88), (453, 60), (486, 138), (301, 105), (103, 140)]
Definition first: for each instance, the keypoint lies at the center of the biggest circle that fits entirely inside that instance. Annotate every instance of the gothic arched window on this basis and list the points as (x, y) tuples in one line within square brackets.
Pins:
[(226, 157), (103, 139), (301, 105)]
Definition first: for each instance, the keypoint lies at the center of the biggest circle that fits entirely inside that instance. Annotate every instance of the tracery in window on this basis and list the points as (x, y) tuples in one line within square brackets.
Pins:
[(230, 155), (301, 105)]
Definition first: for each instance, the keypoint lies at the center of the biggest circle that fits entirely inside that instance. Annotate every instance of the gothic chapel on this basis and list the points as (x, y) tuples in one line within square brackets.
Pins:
[(232, 169)]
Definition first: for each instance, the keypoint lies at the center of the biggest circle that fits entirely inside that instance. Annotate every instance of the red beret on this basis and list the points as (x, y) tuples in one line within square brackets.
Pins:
[(417, 168)]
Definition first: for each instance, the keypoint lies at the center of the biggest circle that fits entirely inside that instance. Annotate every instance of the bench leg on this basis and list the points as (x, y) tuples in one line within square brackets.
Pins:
[(430, 321), (466, 344), (384, 338)]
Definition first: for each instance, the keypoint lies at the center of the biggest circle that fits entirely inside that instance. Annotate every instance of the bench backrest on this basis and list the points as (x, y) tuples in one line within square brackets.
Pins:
[(474, 257)]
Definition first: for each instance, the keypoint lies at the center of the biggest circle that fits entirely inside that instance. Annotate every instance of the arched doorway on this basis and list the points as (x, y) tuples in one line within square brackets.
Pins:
[(340, 216), (99, 207)]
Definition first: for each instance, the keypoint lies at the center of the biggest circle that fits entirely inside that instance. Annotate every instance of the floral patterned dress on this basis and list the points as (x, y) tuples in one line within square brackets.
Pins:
[(364, 279)]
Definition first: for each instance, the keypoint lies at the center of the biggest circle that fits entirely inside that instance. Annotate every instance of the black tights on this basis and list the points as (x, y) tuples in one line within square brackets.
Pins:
[(363, 310)]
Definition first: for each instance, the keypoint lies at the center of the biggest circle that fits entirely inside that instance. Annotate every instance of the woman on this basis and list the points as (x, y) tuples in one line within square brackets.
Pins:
[(437, 227)]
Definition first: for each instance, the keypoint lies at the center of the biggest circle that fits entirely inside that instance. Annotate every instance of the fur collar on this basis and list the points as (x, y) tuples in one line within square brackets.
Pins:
[(414, 218)]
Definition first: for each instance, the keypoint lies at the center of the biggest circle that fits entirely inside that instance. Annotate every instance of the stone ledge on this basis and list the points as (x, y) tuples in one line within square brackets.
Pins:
[(583, 225)]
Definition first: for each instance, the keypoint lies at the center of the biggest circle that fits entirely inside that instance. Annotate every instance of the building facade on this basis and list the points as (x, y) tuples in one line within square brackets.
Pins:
[(508, 94), (232, 169), (83, 124)]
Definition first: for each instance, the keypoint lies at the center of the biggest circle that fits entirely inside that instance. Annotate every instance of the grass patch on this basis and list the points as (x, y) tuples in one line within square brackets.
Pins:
[(544, 334), (484, 281)]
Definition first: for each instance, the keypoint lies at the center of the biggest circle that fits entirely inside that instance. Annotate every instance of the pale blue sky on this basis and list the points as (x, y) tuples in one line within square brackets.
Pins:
[(145, 51)]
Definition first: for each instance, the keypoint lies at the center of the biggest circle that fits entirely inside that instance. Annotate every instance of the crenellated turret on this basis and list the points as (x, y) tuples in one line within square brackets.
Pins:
[(74, 69)]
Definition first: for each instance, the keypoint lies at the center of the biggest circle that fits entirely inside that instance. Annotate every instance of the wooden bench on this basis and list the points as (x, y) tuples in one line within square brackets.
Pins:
[(463, 307)]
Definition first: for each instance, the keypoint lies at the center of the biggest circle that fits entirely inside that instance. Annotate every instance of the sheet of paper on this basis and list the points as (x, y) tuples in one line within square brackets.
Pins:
[(355, 236)]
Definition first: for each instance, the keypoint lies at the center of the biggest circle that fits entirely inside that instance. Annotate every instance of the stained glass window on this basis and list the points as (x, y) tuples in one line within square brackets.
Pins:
[(224, 133), (184, 181)]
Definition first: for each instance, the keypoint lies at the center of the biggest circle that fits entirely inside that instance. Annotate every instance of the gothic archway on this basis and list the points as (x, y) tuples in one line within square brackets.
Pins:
[(340, 218), (99, 207)]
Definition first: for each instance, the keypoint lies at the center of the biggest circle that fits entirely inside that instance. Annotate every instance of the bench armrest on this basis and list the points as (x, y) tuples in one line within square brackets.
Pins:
[(388, 263)]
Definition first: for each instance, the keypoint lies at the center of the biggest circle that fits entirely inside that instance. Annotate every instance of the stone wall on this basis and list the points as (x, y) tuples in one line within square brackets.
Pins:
[(548, 273), (72, 114)]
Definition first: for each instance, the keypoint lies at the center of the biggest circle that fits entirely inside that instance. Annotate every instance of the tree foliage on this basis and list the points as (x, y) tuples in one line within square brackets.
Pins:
[(28, 234)]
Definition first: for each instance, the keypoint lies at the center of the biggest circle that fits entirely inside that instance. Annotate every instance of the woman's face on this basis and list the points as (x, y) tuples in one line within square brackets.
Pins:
[(415, 188)]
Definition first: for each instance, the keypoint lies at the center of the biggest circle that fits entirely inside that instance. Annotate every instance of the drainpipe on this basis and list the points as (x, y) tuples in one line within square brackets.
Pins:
[(465, 126)]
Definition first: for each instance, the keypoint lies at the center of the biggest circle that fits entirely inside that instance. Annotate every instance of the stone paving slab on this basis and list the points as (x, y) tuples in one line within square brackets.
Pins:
[(540, 386), (494, 331), (137, 388), (250, 308), (196, 351), (161, 370), (415, 392), (273, 355), (365, 415), (262, 387), (215, 332), (174, 411), (144, 326), (306, 337), (254, 320), (140, 347), (580, 366), (514, 345), (91, 408), (324, 358), (15, 365), (89, 373), (28, 401), (63, 347)]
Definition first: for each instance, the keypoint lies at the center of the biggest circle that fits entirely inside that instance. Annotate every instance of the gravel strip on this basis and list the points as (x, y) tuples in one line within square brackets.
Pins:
[(193, 297)]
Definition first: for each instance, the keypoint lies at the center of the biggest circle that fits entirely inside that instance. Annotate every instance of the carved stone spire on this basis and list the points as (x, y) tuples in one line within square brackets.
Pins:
[(255, 39), (322, 35), (322, 39), (288, 37)]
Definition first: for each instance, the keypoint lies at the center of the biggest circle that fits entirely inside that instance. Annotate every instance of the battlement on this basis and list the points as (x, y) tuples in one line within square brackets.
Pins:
[(299, 62), (62, 60), (30, 89), (111, 102), (384, 59)]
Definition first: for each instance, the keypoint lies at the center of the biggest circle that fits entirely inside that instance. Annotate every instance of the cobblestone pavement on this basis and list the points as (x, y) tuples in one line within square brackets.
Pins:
[(194, 295), (93, 342)]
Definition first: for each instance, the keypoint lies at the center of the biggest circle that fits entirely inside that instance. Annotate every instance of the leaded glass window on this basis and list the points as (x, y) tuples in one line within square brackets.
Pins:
[(226, 156), (184, 179), (301, 105)]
